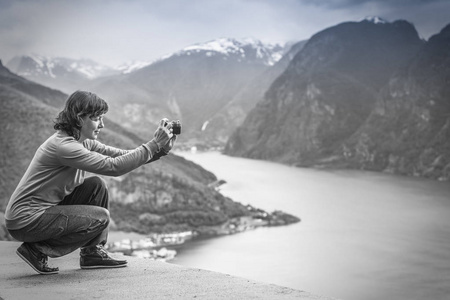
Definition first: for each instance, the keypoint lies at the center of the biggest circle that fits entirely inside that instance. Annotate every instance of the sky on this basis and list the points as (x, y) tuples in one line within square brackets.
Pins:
[(113, 32)]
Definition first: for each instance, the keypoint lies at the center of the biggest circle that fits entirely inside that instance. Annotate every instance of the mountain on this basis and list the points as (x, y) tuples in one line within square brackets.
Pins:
[(172, 194), (325, 108), (226, 120), (131, 66), (209, 86), (245, 50), (22, 119), (60, 73), (192, 85), (408, 131)]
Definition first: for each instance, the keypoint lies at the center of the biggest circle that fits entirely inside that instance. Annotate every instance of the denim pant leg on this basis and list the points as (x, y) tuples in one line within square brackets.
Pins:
[(80, 220), (63, 229), (93, 192)]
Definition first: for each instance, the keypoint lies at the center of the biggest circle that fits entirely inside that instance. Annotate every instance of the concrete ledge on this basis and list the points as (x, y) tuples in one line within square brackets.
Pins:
[(142, 279)]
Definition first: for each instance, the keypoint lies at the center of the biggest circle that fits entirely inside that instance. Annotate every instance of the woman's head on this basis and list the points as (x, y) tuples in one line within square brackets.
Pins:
[(79, 105)]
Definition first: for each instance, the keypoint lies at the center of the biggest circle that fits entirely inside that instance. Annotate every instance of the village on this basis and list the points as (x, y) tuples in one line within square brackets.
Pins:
[(153, 247)]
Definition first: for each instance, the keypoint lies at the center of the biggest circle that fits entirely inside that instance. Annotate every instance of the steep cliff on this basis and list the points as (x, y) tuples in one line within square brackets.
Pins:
[(223, 123), (408, 131), (361, 95)]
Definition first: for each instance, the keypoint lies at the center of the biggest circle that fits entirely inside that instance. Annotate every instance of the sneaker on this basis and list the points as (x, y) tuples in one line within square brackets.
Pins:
[(97, 257), (36, 259)]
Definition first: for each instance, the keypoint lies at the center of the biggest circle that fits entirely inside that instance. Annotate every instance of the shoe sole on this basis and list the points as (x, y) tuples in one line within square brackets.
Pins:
[(34, 268), (103, 267)]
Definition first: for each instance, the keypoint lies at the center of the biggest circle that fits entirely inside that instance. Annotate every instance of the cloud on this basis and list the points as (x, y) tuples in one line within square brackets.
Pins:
[(387, 3), (114, 31)]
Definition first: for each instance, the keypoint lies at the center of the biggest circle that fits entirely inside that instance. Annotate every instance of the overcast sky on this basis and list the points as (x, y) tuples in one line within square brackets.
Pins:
[(116, 31)]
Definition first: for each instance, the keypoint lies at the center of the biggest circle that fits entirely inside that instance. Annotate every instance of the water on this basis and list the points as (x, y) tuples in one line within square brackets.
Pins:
[(363, 235)]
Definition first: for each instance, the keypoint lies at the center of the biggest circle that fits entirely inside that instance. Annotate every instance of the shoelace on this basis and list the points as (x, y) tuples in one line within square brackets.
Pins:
[(97, 250), (43, 259), (102, 251)]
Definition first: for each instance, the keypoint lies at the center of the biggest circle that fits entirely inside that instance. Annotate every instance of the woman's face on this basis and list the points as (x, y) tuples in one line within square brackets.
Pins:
[(91, 127)]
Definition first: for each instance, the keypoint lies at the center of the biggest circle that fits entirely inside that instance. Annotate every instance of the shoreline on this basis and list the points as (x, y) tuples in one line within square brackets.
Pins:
[(164, 246)]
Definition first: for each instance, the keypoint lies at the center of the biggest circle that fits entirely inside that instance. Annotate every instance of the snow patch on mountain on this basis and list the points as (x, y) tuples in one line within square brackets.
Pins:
[(375, 20), (89, 68), (247, 48), (132, 66), (244, 50), (39, 65), (36, 65)]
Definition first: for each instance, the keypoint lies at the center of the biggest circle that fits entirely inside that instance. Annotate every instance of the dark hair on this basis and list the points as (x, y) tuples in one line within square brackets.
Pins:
[(79, 105)]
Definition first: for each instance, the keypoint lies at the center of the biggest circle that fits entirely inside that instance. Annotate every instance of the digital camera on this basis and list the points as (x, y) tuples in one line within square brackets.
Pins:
[(176, 127)]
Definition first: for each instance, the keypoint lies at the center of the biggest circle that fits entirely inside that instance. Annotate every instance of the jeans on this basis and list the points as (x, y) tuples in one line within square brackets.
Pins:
[(80, 220)]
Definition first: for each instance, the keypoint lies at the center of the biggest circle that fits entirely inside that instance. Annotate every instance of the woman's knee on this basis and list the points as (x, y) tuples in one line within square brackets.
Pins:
[(100, 194), (102, 215), (97, 183), (99, 220)]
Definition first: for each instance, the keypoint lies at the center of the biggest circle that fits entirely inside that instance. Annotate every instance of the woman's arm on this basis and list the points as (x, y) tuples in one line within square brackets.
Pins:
[(98, 147), (73, 154), (101, 159)]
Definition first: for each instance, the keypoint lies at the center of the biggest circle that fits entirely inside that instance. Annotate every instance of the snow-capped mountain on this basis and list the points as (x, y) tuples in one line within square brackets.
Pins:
[(60, 73), (132, 66), (68, 74), (193, 84), (37, 65), (248, 50)]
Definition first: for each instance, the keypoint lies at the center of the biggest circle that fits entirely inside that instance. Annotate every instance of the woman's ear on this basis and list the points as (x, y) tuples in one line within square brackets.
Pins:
[(80, 120)]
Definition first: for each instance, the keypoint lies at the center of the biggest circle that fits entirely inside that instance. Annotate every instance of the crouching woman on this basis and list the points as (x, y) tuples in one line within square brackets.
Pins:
[(55, 209)]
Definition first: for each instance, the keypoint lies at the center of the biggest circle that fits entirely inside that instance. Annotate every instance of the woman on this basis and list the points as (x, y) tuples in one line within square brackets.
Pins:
[(55, 209)]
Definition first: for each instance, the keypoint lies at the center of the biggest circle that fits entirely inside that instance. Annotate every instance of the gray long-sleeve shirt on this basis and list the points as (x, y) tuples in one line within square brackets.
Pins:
[(59, 165)]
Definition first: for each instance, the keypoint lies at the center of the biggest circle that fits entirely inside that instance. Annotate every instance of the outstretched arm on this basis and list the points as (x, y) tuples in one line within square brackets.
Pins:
[(73, 154), (98, 147)]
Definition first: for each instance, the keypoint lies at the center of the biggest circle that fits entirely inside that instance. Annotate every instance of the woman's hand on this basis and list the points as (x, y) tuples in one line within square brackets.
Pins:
[(169, 145), (163, 134)]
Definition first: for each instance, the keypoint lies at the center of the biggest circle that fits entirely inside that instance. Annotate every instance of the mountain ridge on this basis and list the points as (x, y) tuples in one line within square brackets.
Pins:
[(417, 143), (201, 84), (269, 53), (330, 92), (191, 85)]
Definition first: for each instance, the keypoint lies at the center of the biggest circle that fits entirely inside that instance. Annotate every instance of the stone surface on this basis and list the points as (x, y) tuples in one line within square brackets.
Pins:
[(142, 279)]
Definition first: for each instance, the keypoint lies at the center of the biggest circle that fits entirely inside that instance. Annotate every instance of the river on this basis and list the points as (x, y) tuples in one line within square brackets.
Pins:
[(363, 235)]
